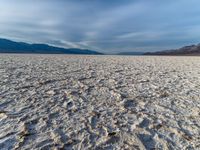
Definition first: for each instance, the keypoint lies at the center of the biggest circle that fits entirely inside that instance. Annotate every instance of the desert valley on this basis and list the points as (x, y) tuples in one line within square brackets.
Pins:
[(99, 102)]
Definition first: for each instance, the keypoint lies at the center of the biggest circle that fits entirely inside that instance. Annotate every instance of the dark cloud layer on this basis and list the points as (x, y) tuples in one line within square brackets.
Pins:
[(107, 26)]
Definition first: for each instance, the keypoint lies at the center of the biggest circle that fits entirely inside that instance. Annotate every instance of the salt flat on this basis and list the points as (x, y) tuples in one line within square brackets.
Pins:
[(99, 102)]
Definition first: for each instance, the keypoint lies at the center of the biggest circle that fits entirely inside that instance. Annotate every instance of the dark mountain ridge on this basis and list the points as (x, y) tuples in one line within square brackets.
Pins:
[(186, 50), (8, 46)]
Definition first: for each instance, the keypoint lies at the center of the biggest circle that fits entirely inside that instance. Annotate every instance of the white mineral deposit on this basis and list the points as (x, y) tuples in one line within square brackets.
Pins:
[(99, 102)]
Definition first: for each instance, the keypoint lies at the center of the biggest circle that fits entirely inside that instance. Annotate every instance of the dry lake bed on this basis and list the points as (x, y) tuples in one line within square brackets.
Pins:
[(99, 102)]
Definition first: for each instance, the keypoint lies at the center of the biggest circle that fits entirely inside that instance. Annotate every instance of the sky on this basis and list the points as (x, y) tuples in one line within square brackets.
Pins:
[(107, 26)]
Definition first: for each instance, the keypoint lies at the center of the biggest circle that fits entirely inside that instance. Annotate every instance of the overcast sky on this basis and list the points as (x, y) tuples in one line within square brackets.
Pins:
[(103, 25)]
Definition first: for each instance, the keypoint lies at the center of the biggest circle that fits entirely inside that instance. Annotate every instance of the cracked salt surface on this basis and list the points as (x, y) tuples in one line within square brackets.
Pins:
[(99, 102)]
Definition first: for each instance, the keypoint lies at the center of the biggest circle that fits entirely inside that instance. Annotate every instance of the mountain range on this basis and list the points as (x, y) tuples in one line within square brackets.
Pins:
[(186, 50), (8, 46)]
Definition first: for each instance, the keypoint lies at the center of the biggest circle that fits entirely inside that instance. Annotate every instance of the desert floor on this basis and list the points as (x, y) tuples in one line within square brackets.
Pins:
[(99, 102)]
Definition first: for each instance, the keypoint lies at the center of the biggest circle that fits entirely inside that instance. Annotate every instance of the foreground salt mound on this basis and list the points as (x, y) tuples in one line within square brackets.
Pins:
[(99, 102)]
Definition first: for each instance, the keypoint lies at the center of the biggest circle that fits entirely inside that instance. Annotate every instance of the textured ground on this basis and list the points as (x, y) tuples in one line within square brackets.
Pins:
[(99, 102)]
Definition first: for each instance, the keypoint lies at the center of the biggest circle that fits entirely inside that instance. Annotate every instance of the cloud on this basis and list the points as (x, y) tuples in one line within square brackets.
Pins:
[(107, 26)]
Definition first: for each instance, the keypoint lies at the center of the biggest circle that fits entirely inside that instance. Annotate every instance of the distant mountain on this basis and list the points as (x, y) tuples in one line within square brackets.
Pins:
[(8, 46), (187, 50), (130, 53)]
